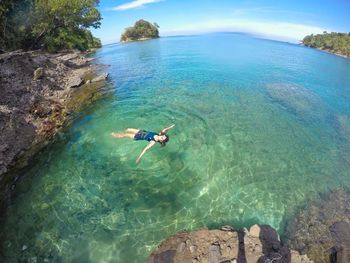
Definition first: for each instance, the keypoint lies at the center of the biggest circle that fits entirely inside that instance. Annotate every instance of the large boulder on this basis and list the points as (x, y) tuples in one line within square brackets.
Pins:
[(260, 244), (74, 82), (102, 77)]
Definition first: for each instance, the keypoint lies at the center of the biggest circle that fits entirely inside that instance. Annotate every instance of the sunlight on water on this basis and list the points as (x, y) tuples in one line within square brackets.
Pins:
[(261, 127)]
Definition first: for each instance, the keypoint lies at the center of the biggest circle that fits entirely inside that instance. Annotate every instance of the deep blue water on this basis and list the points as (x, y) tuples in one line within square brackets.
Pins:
[(261, 128)]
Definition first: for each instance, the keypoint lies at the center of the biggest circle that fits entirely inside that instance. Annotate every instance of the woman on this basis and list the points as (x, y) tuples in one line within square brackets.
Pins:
[(151, 137)]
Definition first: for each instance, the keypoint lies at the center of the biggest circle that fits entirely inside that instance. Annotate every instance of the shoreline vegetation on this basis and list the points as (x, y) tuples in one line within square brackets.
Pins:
[(48, 25), (335, 43), (142, 30)]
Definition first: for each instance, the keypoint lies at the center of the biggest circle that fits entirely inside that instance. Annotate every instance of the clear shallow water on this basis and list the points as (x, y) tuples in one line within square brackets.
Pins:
[(261, 127)]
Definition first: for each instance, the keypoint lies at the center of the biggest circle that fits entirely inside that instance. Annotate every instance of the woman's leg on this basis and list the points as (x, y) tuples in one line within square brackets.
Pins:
[(132, 130), (122, 135)]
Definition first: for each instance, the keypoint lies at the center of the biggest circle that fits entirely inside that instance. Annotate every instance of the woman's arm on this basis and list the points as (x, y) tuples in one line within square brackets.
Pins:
[(165, 130), (151, 143)]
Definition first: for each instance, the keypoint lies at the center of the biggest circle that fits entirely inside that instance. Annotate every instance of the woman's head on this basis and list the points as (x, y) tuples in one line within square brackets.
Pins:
[(163, 139)]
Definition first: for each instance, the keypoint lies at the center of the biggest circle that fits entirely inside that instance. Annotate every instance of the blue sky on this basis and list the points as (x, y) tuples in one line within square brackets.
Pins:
[(287, 20)]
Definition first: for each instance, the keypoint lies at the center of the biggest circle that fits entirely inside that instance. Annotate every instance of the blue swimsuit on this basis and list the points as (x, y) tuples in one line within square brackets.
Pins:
[(145, 135)]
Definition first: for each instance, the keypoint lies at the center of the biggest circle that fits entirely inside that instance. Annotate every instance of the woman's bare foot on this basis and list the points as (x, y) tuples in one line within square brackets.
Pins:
[(117, 135)]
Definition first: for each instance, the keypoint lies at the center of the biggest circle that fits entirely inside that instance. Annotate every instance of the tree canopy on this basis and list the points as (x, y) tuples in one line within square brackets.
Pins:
[(49, 24), (141, 30), (335, 42)]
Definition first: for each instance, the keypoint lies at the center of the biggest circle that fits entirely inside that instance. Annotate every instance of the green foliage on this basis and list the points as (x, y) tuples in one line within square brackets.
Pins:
[(14, 23), (49, 24), (141, 29), (335, 42)]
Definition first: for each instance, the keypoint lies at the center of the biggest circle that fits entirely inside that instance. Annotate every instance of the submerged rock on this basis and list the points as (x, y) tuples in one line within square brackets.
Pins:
[(297, 99), (340, 232), (343, 126), (260, 244), (318, 230)]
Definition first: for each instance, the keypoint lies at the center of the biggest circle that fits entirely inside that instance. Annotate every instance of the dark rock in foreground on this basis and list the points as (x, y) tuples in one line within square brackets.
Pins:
[(322, 230), (260, 244)]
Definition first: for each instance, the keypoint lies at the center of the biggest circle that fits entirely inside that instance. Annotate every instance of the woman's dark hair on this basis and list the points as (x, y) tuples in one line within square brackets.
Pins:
[(163, 143)]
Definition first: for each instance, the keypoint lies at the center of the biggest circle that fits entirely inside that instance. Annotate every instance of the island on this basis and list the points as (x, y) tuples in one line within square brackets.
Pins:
[(336, 43), (142, 30)]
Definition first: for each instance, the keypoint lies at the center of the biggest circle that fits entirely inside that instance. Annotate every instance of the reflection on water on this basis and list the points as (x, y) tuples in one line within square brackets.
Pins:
[(257, 135)]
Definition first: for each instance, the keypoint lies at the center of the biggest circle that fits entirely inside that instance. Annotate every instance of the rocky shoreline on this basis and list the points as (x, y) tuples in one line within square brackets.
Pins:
[(327, 50), (319, 233), (128, 40), (260, 243), (330, 51), (39, 92)]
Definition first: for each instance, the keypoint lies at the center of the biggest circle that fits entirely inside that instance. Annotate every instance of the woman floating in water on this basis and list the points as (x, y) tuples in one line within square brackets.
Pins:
[(151, 137)]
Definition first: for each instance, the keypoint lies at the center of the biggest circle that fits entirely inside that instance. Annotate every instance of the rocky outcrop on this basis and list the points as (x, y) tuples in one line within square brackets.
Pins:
[(102, 77), (35, 89), (260, 244), (322, 230)]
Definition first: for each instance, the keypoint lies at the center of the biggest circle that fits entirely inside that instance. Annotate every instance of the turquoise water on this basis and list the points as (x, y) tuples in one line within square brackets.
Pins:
[(261, 128)]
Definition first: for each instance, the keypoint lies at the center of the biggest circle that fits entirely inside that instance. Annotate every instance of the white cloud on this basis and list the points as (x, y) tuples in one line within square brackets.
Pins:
[(275, 30), (134, 4)]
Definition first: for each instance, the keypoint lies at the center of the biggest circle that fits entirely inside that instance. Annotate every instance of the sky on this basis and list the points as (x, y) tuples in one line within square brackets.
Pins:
[(285, 20)]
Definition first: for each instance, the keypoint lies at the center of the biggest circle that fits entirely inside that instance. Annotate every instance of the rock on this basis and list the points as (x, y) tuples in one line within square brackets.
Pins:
[(316, 230), (74, 81), (193, 249), (100, 78), (343, 126), (24, 247), (218, 246), (32, 111), (298, 100), (340, 232), (38, 73), (295, 257), (254, 231), (214, 254), (181, 247), (227, 228)]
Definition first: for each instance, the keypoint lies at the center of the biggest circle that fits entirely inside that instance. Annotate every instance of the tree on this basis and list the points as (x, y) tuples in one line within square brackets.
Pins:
[(48, 24), (334, 42)]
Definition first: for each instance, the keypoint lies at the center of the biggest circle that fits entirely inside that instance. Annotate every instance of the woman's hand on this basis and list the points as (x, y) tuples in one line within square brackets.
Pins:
[(167, 129)]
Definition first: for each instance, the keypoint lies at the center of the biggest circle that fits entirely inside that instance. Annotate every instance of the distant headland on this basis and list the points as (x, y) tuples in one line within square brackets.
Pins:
[(336, 43), (142, 30)]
